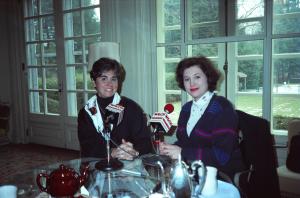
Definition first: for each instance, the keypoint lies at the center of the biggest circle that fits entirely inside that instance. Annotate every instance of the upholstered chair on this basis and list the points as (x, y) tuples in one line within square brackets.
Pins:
[(289, 181)]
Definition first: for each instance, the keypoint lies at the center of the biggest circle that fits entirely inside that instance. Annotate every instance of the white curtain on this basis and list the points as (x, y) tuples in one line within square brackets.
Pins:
[(16, 56), (128, 22)]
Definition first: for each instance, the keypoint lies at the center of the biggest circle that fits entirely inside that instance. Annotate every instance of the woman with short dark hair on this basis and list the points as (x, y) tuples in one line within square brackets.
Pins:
[(131, 136)]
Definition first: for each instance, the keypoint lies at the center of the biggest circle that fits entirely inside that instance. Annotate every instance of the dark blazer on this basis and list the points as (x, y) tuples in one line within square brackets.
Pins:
[(133, 128), (258, 151)]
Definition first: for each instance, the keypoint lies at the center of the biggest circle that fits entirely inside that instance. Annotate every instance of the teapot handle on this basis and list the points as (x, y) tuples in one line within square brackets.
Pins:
[(84, 173), (199, 168), (38, 181)]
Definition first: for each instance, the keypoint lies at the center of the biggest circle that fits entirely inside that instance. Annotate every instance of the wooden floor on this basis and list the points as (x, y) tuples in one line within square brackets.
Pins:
[(15, 158)]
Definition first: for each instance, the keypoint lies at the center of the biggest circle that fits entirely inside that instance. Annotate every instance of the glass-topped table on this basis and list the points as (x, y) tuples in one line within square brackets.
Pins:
[(133, 181)]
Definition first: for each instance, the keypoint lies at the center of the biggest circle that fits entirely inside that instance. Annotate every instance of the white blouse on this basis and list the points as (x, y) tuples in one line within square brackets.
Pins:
[(197, 110)]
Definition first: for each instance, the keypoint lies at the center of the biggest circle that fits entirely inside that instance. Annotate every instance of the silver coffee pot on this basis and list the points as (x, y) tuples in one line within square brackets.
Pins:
[(182, 182)]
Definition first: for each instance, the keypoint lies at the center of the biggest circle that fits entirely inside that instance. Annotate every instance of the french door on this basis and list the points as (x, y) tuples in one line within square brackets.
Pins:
[(57, 36)]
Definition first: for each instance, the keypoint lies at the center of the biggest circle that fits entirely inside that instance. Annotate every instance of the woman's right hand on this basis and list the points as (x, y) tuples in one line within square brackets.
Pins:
[(173, 151)]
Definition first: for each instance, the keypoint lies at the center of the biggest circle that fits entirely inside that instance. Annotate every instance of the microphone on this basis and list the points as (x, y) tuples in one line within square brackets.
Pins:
[(169, 108), (114, 114), (161, 121)]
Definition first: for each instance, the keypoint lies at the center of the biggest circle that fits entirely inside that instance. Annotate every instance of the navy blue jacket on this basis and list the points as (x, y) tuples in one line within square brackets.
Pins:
[(214, 139)]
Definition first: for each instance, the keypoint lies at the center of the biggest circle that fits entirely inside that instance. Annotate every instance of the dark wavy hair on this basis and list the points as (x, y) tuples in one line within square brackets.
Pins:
[(107, 64), (212, 74)]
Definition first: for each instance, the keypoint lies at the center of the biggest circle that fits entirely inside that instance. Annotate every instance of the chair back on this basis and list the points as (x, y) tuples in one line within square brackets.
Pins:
[(259, 156), (293, 129)]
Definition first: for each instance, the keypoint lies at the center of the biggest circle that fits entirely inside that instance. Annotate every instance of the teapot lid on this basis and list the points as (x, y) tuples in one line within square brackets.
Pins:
[(63, 170)]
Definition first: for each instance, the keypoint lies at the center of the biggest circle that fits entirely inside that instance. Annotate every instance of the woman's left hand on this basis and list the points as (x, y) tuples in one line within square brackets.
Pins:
[(125, 151)]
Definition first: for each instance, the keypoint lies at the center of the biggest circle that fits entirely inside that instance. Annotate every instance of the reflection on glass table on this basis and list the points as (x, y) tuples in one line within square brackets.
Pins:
[(133, 180)]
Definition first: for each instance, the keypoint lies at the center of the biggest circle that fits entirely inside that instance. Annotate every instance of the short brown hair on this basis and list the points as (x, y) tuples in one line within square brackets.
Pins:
[(107, 64), (212, 74)]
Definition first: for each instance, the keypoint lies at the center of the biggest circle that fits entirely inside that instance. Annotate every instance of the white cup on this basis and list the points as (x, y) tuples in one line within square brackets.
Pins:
[(8, 191), (211, 183)]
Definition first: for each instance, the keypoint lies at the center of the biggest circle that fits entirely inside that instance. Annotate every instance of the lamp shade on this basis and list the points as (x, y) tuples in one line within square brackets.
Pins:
[(103, 49)]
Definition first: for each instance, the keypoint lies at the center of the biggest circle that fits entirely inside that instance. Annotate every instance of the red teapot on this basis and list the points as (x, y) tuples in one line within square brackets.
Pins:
[(63, 181)]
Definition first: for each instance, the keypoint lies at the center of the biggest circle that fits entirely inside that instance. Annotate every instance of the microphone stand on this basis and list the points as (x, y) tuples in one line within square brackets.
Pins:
[(108, 164), (151, 160), (156, 141)]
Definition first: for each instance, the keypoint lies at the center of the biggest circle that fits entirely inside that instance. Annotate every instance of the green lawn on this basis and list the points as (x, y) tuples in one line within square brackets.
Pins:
[(283, 105), (285, 108)]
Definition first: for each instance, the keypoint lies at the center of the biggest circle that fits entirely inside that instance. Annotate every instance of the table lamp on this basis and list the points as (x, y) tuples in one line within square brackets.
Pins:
[(103, 49)]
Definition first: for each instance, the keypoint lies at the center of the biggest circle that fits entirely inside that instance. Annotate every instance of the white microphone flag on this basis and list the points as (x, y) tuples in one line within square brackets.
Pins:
[(162, 119), (116, 109)]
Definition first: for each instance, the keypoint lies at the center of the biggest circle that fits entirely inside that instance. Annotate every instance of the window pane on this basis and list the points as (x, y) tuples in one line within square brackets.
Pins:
[(289, 46), (168, 90), (250, 28), (171, 12), (71, 78), (209, 50), (172, 51), (73, 49), (203, 19), (51, 78), (249, 82), (79, 78), (31, 8), (32, 30), (250, 16), (49, 50), (90, 2), (71, 4), (33, 54), (89, 95), (250, 48), (75, 78), (286, 82), (171, 83), (52, 102), (46, 6), (90, 85), (250, 9), (80, 101), (168, 21), (72, 104), (172, 36), (72, 24), (92, 20), (36, 102), (48, 31), (286, 17), (35, 77)]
